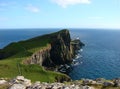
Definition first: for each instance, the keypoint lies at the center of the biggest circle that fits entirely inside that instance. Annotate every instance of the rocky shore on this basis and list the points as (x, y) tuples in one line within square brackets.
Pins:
[(56, 54), (22, 83)]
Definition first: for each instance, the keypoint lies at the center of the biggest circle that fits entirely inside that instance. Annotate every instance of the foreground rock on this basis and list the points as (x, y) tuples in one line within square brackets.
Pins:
[(22, 83), (2, 81), (17, 86), (117, 82), (19, 83)]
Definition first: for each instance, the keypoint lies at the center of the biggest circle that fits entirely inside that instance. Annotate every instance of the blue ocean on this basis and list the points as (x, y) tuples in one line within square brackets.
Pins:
[(100, 57)]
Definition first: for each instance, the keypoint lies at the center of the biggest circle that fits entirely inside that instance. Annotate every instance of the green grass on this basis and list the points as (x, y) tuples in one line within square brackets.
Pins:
[(9, 68), (15, 53)]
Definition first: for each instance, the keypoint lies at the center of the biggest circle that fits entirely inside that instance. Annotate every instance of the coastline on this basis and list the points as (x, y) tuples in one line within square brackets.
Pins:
[(80, 80), (34, 55)]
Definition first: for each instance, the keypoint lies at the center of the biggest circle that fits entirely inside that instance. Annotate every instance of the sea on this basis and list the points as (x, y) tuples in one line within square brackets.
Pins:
[(99, 58)]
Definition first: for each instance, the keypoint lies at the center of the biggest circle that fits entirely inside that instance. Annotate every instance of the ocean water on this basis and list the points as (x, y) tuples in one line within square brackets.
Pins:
[(100, 56), (8, 36)]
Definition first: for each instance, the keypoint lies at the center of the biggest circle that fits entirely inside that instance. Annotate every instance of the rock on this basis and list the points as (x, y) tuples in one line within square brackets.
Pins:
[(54, 87), (108, 84), (87, 81), (116, 82), (17, 86), (21, 80), (93, 82), (27, 82), (3, 82), (87, 87), (35, 85), (60, 49), (100, 80), (66, 88), (22, 83)]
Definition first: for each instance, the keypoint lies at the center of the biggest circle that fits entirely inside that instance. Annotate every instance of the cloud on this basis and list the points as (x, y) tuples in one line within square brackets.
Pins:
[(65, 3), (32, 8)]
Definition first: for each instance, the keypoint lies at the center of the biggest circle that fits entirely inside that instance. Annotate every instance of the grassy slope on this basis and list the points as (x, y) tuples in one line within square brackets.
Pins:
[(12, 66)]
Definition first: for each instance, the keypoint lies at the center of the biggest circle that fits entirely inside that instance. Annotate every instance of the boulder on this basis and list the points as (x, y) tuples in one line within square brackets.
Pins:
[(87, 87), (116, 82), (17, 86), (100, 80), (108, 84), (87, 81), (21, 80), (3, 82)]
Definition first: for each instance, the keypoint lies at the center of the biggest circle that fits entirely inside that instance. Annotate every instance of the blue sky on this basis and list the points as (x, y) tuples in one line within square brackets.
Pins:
[(59, 14)]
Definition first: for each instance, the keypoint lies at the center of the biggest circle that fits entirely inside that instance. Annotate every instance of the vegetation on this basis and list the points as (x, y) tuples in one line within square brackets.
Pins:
[(15, 53)]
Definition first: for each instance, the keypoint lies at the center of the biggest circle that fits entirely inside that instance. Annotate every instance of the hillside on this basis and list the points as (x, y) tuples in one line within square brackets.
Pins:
[(28, 57)]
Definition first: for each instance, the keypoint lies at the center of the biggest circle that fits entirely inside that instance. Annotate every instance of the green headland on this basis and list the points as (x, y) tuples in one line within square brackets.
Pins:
[(16, 58)]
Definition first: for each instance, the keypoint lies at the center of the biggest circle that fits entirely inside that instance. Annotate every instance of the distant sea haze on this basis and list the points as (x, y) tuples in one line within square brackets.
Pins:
[(100, 57)]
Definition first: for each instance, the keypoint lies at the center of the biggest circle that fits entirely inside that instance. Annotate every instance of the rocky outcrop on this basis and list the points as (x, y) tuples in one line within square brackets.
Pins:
[(41, 57), (116, 82), (75, 46), (61, 50), (22, 83), (57, 49)]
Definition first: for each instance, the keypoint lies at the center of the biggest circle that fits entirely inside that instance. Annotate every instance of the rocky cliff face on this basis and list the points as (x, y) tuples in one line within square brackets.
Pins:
[(42, 57), (75, 46), (60, 48), (60, 51)]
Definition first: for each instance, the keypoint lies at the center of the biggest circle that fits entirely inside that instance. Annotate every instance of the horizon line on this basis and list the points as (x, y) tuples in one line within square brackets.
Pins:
[(71, 28)]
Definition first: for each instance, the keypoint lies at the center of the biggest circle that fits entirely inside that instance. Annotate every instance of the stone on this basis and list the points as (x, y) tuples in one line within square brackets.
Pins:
[(100, 80), (21, 80), (17, 86), (108, 84), (87, 87), (116, 82), (26, 82), (76, 87), (66, 88), (3, 82), (87, 81), (20, 77), (93, 82)]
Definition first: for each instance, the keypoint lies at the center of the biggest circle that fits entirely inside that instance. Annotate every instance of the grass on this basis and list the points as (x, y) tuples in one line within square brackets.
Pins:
[(15, 53)]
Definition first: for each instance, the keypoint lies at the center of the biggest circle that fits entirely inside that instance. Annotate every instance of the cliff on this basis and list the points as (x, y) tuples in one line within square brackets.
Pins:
[(27, 57), (60, 50)]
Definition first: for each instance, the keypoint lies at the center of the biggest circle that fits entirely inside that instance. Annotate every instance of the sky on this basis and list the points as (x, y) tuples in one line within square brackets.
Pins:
[(59, 14)]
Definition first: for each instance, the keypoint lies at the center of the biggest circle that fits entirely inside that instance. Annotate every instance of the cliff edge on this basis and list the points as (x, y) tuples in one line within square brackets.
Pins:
[(27, 57), (61, 50), (58, 48)]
